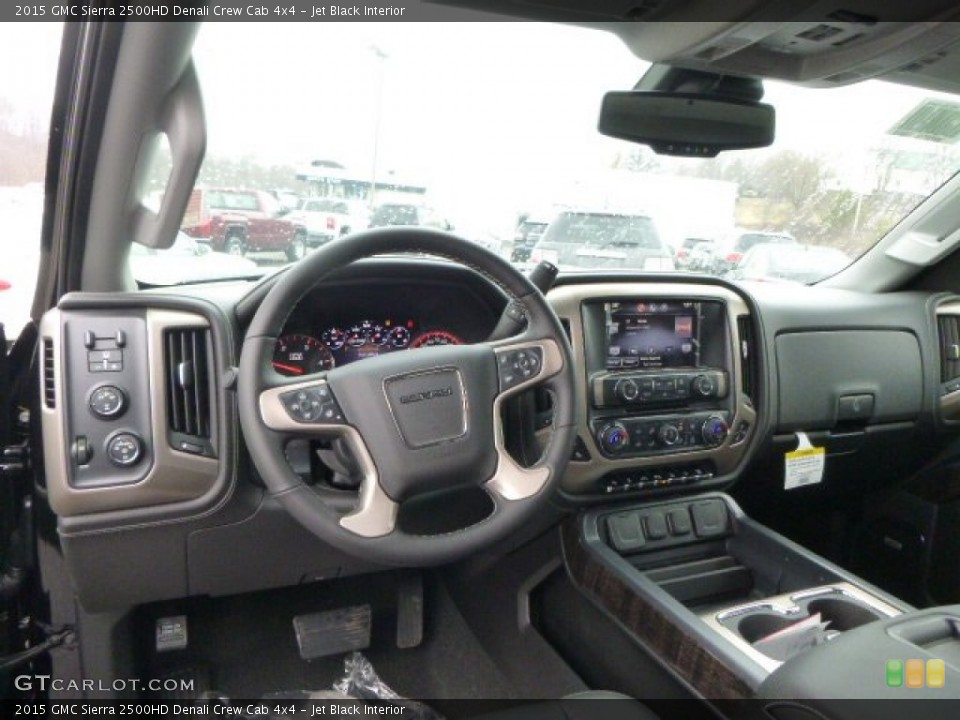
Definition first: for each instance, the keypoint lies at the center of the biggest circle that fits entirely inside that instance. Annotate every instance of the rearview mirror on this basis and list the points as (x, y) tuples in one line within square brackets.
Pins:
[(686, 124)]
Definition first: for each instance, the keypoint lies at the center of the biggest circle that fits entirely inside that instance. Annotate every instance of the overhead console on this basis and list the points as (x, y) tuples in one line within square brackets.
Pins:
[(666, 385)]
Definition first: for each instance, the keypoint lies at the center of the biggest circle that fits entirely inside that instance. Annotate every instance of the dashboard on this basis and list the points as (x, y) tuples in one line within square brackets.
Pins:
[(682, 385)]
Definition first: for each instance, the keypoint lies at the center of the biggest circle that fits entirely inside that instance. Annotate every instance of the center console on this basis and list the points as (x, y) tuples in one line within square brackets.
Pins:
[(722, 601)]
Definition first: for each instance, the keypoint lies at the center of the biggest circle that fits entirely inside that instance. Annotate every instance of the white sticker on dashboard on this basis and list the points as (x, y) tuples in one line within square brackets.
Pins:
[(804, 466)]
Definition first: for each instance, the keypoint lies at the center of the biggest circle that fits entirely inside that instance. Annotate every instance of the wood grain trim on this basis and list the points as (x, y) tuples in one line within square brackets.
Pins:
[(706, 674)]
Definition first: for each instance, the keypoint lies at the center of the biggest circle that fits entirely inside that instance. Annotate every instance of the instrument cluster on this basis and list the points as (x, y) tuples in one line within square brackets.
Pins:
[(334, 346)]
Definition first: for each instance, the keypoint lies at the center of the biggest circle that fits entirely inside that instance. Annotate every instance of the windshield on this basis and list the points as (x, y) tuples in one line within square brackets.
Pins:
[(483, 147)]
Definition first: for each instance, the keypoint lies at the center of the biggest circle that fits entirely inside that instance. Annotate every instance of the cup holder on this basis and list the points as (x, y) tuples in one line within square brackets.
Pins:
[(755, 626), (842, 614)]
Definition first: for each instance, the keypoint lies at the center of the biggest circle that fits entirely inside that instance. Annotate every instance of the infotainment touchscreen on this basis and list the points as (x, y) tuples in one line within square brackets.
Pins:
[(652, 334)]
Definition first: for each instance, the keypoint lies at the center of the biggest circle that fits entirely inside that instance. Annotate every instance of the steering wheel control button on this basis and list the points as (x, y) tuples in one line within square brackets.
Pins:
[(124, 449), (518, 366), (108, 402), (314, 404)]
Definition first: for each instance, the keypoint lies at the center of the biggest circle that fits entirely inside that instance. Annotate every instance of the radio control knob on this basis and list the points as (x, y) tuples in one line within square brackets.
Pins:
[(668, 434), (614, 438), (715, 430), (704, 386), (627, 390)]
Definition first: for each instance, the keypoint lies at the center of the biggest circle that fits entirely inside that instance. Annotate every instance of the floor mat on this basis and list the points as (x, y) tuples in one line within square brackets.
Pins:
[(247, 642)]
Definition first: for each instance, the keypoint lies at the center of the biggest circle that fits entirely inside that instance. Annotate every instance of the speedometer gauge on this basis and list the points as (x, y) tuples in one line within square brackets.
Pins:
[(301, 355), (436, 337)]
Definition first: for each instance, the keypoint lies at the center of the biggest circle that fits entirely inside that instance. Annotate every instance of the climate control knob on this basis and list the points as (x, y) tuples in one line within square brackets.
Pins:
[(627, 390), (614, 438), (704, 386), (668, 434), (715, 430)]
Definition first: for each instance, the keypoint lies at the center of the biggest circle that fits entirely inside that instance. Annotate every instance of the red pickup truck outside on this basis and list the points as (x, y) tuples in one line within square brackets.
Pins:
[(241, 221)]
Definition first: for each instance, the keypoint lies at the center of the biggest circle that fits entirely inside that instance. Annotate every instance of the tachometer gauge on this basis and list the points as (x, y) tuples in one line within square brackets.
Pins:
[(436, 337), (333, 338), (301, 355), (399, 337)]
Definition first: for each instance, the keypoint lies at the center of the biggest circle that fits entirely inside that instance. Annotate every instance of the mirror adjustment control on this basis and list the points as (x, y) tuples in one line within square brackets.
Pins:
[(108, 402), (124, 449)]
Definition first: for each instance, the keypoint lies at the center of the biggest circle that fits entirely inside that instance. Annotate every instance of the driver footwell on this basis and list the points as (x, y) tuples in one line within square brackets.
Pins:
[(245, 646)]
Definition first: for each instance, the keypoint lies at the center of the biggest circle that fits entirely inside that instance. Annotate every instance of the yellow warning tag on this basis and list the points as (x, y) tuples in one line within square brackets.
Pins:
[(804, 466)]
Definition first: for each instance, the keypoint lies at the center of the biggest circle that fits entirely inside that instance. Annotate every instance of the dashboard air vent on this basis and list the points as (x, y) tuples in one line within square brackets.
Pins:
[(748, 356), (49, 382), (948, 327), (187, 355)]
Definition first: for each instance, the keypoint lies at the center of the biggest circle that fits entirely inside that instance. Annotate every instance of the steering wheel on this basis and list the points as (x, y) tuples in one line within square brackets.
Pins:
[(416, 422)]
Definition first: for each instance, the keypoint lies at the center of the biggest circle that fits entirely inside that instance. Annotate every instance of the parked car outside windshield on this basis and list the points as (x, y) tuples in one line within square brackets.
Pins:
[(603, 240), (792, 263)]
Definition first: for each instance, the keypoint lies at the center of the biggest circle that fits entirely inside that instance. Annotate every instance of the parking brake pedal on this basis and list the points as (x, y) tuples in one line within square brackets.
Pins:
[(410, 611), (333, 632)]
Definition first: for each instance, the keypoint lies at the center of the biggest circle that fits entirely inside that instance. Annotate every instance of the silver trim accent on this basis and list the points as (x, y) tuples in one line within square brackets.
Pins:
[(511, 481), (174, 477), (949, 403), (567, 302), (376, 513), (786, 605)]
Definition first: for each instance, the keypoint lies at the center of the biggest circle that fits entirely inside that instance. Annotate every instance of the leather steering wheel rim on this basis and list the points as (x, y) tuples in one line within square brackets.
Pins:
[(400, 413)]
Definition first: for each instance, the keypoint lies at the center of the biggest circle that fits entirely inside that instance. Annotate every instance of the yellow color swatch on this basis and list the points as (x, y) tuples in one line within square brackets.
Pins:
[(936, 673)]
